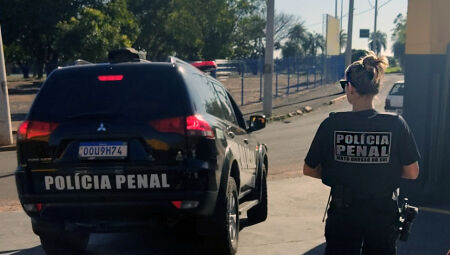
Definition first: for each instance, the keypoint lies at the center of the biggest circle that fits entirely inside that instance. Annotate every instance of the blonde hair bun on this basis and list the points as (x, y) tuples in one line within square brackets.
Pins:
[(366, 73), (375, 64)]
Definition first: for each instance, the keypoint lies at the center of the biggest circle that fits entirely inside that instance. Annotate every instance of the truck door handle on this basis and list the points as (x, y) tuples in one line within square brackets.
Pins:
[(246, 141), (231, 134)]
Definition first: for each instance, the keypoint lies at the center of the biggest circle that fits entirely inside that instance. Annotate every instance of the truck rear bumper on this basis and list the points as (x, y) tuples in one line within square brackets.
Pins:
[(109, 216)]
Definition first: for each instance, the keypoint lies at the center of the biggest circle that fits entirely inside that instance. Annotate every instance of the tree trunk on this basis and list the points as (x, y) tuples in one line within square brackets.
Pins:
[(25, 70), (40, 70)]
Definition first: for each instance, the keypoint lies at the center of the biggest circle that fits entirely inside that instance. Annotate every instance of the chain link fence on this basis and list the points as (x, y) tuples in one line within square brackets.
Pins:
[(244, 78)]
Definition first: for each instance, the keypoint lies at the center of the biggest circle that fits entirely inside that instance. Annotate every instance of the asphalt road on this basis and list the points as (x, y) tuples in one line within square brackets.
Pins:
[(296, 205)]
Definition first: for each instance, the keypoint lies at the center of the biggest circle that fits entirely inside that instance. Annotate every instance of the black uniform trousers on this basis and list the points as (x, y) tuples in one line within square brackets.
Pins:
[(366, 226)]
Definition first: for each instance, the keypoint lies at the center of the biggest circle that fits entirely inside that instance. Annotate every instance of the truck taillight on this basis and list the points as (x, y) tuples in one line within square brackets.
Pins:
[(197, 126), (171, 125), (35, 129)]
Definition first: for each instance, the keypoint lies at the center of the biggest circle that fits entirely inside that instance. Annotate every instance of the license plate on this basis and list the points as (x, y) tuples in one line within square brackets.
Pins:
[(102, 150)]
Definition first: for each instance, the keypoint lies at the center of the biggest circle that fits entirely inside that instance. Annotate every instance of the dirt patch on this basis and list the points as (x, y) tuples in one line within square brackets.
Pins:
[(10, 206)]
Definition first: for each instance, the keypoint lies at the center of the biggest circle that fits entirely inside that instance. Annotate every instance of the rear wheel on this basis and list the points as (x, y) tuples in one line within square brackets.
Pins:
[(225, 240), (259, 212), (64, 243)]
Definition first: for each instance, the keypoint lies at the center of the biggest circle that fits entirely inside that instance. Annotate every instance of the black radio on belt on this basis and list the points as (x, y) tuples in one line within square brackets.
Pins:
[(407, 214)]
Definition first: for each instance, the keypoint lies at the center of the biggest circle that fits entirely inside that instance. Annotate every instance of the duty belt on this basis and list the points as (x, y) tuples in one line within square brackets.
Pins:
[(342, 196), (357, 196)]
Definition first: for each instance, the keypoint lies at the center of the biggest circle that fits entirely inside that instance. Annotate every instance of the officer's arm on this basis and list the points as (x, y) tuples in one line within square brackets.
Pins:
[(313, 172), (411, 171)]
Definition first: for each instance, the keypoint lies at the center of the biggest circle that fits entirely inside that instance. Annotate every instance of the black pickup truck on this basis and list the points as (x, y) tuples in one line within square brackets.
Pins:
[(108, 147)]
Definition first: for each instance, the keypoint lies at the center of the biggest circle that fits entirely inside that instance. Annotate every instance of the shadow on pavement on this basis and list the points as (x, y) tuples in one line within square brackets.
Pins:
[(18, 116), (318, 250), (158, 240), (244, 223), (141, 243), (23, 91), (32, 251), (430, 234)]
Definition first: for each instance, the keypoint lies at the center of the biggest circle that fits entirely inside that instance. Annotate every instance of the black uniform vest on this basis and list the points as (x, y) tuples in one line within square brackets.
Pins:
[(361, 151)]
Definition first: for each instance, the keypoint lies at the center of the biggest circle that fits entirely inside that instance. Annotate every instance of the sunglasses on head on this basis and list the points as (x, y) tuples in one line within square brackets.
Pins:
[(343, 83)]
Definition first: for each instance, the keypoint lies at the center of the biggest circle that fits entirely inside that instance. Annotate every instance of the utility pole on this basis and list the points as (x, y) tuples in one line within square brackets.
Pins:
[(340, 29), (268, 60), (335, 9), (348, 51), (342, 7), (5, 115), (376, 16)]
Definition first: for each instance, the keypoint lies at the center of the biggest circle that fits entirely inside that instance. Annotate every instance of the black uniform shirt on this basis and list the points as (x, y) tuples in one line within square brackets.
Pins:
[(363, 150)]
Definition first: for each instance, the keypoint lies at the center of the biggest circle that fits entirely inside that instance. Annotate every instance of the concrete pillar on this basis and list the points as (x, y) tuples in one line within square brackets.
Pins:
[(5, 114)]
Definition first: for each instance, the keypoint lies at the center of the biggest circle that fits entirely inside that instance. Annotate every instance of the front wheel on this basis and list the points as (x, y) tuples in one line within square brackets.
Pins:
[(64, 243)]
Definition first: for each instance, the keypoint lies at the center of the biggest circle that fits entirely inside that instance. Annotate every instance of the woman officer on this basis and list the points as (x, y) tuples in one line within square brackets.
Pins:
[(362, 155)]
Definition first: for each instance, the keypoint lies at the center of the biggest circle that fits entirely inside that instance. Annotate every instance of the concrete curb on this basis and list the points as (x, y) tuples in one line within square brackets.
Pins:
[(337, 99), (11, 147), (298, 112)]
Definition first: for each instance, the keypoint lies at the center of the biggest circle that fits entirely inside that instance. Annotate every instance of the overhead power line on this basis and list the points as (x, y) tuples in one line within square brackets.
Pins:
[(368, 10), (356, 14), (384, 4)]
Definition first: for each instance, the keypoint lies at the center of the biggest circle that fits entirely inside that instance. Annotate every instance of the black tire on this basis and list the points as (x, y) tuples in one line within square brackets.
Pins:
[(225, 240), (259, 212), (64, 243)]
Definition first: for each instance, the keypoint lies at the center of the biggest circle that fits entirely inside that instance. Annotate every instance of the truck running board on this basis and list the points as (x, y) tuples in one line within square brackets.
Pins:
[(247, 205)]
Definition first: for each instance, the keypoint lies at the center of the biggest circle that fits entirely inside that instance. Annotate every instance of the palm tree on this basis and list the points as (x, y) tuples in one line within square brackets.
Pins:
[(312, 43), (342, 40), (377, 41), (297, 33)]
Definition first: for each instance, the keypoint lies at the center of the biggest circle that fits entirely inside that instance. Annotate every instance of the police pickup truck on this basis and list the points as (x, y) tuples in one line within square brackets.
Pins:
[(114, 145)]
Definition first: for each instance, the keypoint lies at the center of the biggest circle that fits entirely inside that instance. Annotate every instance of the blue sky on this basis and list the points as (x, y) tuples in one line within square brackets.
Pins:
[(312, 11)]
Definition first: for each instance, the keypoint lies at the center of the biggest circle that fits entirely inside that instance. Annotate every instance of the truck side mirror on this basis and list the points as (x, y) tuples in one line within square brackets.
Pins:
[(257, 122)]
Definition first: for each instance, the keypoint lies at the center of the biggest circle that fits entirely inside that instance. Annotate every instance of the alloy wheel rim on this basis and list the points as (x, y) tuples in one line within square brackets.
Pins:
[(232, 219)]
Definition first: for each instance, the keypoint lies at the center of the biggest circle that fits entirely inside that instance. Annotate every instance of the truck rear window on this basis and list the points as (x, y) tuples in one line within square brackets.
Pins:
[(134, 92)]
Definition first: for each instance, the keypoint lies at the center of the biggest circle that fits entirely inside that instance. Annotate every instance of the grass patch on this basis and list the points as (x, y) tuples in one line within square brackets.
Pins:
[(395, 69)]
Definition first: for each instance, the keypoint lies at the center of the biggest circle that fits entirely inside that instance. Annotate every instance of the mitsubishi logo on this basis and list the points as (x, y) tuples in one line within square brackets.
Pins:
[(101, 128)]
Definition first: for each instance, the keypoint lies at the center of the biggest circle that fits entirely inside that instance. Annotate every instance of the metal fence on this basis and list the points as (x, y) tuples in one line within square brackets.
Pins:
[(244, 78)]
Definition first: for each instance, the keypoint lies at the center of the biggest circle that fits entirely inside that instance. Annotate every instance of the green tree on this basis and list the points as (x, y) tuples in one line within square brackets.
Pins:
[(358, 54), (291, 49), (31, 27), (312, 43), (342, 40), (399, 38), (93, 33), (283, 24), (249, 37), (16, 55), (297, 33), (205, 28), (154, 37), (297, 40), (377, 41)]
